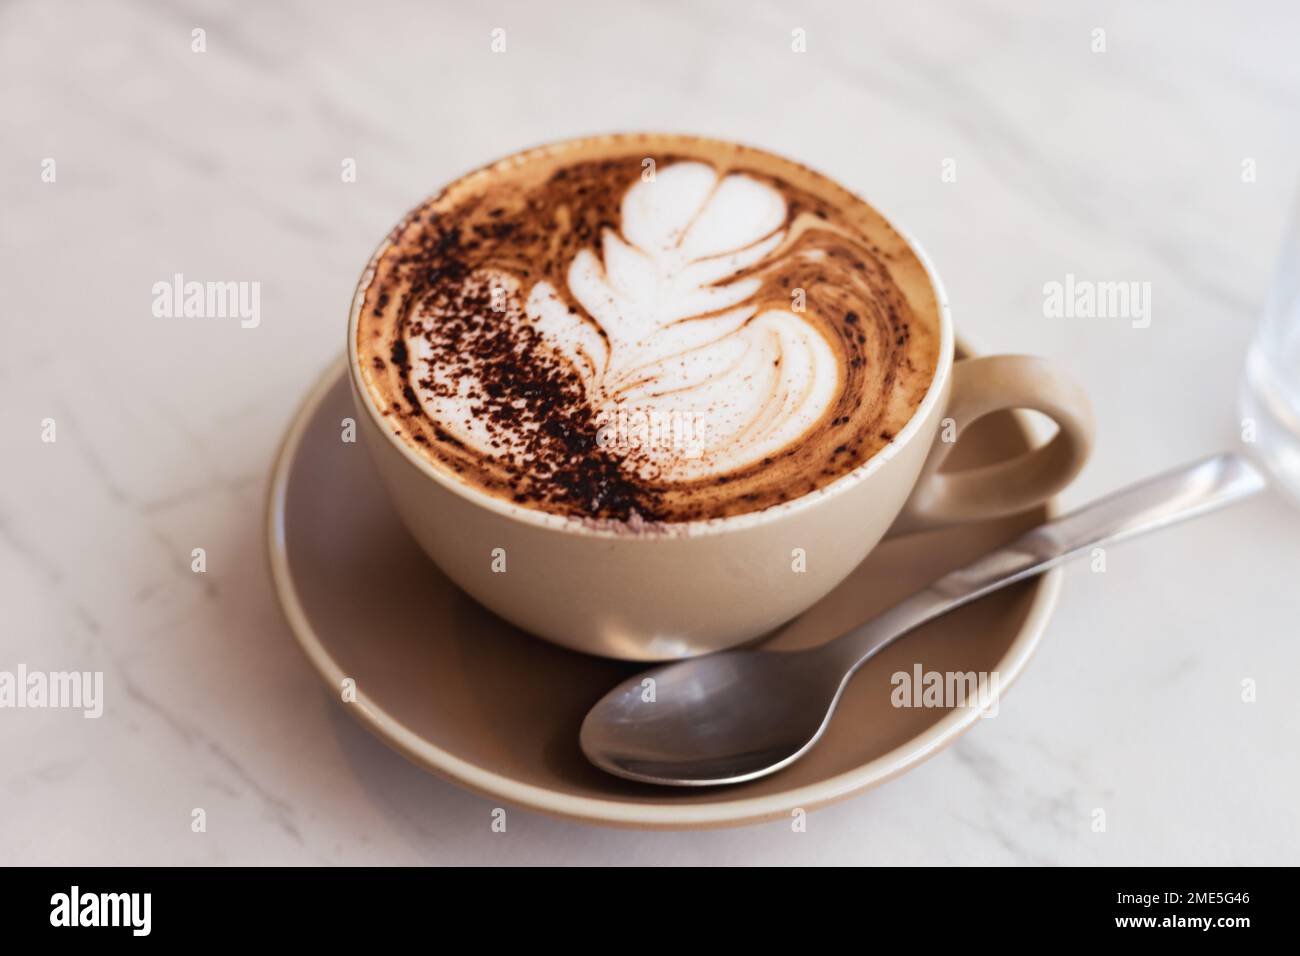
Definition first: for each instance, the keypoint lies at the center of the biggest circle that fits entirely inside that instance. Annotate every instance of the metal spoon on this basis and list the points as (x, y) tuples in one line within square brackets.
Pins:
[(738, 715)]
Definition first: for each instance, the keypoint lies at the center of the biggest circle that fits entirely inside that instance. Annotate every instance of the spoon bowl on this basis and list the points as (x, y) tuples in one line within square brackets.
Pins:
[(745, 714)]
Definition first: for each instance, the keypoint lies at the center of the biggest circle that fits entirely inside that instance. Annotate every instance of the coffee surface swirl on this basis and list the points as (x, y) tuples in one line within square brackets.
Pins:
[(647, 329)]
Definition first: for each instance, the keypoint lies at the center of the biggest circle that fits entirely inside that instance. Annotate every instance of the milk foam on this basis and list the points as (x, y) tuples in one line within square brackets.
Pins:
[(671, 334)]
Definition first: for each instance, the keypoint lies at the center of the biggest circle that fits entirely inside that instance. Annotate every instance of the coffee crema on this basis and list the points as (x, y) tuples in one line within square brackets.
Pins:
[(647, 328)]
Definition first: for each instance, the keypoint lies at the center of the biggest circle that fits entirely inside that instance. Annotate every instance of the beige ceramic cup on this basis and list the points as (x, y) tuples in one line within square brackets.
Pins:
[(699, 587)]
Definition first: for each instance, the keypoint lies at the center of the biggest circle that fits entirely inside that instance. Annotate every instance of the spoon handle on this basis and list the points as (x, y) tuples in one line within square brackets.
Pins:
[(1185, 492)]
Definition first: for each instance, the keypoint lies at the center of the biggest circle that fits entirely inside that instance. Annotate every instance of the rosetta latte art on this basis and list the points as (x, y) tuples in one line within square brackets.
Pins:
[(671, 342), (565, 333)]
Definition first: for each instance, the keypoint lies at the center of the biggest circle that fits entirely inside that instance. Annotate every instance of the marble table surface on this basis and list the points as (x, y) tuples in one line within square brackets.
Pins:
[(1168, 157)]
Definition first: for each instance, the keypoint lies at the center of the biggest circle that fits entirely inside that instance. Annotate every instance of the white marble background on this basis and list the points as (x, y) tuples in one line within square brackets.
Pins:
[(1122, 165)]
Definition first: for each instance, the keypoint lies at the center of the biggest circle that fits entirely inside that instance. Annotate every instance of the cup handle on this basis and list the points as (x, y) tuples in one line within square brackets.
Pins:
[(989, 384)]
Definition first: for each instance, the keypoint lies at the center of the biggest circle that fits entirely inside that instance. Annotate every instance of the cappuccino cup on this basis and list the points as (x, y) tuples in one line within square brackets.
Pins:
[(650, 396)]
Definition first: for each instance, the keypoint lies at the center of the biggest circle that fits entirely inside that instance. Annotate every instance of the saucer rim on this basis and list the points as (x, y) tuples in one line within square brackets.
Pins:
[(632, 813)]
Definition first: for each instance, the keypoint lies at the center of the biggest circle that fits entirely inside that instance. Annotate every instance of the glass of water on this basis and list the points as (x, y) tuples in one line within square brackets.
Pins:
[(1270, 393)]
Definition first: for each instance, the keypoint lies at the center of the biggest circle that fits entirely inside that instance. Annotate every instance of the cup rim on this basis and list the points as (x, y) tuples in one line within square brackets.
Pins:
[(611, 528)]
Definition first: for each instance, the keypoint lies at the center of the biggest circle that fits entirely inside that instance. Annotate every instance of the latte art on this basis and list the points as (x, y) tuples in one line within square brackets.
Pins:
[(588, 334), (668, 330)]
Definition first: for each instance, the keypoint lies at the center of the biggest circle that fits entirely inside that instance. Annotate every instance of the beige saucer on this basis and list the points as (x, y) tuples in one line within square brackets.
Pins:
[(471, 698)]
